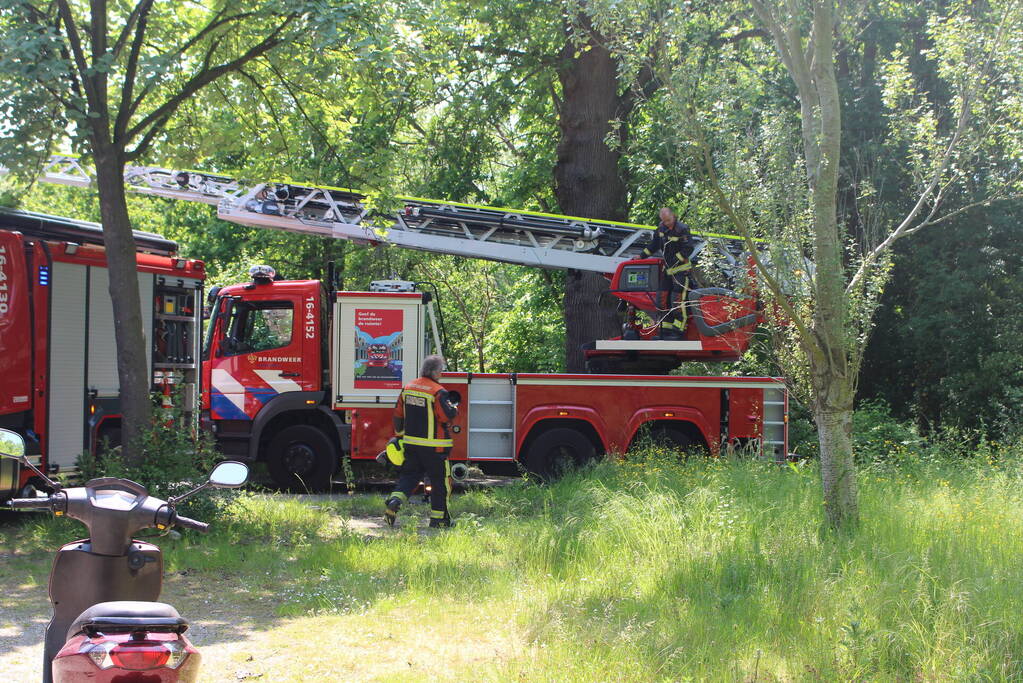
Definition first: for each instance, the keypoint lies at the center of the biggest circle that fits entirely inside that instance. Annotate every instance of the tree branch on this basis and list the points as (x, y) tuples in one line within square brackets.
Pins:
[(710, 172), (201, 79), (129, 25), (75, 41), (270, 106), (140, 15), (217, 21)]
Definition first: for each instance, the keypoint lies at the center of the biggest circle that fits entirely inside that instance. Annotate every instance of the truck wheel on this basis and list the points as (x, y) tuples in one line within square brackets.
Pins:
[(301, 458), (556, 451)]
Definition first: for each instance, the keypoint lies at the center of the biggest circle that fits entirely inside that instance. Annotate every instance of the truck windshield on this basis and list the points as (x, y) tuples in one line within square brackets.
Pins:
[(260, 326)]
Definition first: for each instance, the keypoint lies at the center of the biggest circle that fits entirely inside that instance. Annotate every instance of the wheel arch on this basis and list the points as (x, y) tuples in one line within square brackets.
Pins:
[(583, 426), (685, 425), (295, 409)]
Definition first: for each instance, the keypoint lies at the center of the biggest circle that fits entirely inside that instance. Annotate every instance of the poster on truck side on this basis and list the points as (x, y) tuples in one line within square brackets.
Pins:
[(378, 348)]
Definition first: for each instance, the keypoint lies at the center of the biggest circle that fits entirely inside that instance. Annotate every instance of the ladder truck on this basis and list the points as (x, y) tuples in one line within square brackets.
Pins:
[(59, 386), (297, 374)]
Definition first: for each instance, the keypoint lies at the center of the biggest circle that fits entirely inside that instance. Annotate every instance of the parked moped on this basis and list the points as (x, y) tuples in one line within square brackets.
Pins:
[(106, 625)]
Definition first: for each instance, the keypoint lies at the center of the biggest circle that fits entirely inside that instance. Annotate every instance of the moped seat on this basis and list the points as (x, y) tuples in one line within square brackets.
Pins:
[(122, 616)]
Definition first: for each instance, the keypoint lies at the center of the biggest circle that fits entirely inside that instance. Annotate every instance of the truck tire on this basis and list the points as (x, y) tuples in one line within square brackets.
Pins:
[(301, 458), (556, 451)]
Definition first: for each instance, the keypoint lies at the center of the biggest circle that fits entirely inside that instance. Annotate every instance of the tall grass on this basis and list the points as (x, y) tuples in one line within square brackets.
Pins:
[(651, 569)]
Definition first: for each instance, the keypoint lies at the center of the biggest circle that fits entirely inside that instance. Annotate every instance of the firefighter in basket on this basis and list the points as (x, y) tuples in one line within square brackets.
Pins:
[(422, 423), (674, 243)]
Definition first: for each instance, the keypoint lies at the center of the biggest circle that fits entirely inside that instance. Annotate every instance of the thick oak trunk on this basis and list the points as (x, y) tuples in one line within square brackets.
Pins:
[(132, 368), (588, 182)]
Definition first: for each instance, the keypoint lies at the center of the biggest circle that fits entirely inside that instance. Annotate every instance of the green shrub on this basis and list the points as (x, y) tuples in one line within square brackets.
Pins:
[(176, 457), (878, 436), (802, 432)]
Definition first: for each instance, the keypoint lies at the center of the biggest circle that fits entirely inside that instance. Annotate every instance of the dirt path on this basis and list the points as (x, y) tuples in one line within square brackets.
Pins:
[(242, 639)]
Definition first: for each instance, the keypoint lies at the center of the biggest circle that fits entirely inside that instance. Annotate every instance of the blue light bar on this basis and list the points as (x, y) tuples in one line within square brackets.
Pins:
[(44, 276)]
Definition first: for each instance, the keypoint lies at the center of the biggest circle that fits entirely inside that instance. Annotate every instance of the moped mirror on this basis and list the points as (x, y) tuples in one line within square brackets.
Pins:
[(11, 443), (229, 474)]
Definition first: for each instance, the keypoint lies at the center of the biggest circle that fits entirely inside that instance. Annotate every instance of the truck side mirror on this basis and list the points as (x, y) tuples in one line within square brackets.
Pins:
[(229, 474), (11, 443)]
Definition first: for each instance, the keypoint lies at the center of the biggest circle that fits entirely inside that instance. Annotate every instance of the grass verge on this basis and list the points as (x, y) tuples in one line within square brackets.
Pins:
[(645, 570)]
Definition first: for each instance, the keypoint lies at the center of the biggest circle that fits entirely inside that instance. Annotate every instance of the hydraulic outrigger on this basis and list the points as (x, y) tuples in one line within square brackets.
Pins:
[(722, 321)]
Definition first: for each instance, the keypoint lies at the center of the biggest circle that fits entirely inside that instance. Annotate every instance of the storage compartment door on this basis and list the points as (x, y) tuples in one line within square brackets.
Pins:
[(66, 424), (146, 294), (102, 343), (102, 346), (776, 424), (491, 418)]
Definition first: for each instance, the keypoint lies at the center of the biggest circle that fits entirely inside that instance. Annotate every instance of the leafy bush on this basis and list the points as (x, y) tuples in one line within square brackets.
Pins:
[(802, 432), (878, 436), (177, 457)]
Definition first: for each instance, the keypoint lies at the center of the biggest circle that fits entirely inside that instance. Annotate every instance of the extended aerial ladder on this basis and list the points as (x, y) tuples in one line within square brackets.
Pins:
[(722, 320), (497, 234)]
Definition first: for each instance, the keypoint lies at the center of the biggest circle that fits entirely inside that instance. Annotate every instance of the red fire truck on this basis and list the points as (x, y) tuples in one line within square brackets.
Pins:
[(296, 398), (58, 363)]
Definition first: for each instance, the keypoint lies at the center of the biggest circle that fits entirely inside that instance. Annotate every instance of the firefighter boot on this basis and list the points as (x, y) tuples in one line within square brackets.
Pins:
[(441, 522), (391, 507)]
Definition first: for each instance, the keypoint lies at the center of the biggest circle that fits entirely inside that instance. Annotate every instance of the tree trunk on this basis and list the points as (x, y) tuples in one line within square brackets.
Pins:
[(838, 469), (132, 367), (588, 181), (832, 365)]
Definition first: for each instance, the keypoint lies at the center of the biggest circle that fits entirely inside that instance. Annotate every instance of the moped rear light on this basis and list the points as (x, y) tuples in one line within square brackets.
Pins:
[(136, 655), (139, 655)]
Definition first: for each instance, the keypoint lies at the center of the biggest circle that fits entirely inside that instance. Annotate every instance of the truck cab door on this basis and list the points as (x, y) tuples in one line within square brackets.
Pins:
[(263, 349)]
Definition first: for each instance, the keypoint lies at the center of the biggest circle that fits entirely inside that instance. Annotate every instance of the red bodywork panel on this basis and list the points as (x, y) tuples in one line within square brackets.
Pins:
[(15, 326), (616, 406), (92, 255)]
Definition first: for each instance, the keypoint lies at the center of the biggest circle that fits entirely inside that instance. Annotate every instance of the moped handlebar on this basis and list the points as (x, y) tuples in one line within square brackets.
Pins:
[(31, 503), (189, 523)]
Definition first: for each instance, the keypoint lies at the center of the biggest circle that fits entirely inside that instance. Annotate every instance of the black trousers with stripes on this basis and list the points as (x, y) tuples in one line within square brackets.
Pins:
[(420, 460)]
